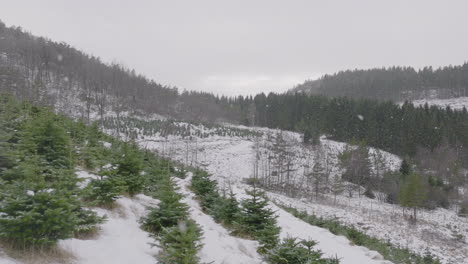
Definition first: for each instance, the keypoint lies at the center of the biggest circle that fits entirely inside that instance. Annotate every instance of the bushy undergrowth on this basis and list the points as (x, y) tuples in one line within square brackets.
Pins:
[(387, 250), (292, 250)]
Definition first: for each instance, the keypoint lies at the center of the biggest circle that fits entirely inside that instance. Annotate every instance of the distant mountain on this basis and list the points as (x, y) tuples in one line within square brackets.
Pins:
[(55, 74), (394, 83)]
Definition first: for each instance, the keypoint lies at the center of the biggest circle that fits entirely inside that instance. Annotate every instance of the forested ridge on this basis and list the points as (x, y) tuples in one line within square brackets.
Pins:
[(43, 71), (393, 83), (398, 129), (39, 70)]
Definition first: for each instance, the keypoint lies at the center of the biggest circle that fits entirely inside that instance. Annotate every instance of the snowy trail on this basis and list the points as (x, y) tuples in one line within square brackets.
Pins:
[(330, 244), (120, 239), (218, 245)]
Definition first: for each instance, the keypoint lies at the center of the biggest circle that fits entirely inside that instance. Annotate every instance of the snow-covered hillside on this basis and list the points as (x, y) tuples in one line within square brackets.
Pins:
[(231, 161), (454, 103)]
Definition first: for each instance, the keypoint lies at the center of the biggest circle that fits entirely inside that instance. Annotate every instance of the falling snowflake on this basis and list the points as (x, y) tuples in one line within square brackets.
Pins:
[(360, 117)]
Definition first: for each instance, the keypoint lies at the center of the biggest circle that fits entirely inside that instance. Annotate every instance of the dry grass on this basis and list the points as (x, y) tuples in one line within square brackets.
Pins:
[(39, 256)]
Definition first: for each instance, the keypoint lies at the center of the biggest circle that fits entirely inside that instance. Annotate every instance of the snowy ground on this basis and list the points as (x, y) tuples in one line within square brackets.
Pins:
[(120, 239), (231, 160), (454, 103), (218, 245)]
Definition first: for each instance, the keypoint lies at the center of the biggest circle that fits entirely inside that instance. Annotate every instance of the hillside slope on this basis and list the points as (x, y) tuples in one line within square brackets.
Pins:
[(392, 83)]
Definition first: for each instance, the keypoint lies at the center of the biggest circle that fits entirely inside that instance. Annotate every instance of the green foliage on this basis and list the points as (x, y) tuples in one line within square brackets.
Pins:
[(87, 221), (180, 243), (226, 209), (257, 219), (169, 211), (405, 168), (104, 191), (205, 188), (129, 168), (169, 221), (39, 202), (290, 250), (36, 219), (413, 193)]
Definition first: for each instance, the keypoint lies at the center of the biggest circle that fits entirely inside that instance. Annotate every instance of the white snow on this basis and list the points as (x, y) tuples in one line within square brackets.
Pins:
[(85, 178), (120, 239), (218, 245), (454, 103), (7, 260), (231, 160)]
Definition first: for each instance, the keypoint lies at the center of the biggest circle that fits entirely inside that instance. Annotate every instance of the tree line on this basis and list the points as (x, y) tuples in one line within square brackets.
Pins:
[(392, 83), (404, 130)]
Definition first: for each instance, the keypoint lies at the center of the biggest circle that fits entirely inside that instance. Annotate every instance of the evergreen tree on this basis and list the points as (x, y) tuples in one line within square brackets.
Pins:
[(180, 243), (259, 220), (103, 192), (290, 250), (413, 193), (405, 168), (129, 168), (36, 218), (169, 211), (53, 143), (227, 210), (206, 188)]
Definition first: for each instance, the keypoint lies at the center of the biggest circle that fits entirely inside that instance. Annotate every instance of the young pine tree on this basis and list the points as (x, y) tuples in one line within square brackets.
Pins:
[(169, 211), (413, 192), (36, 219), (259, 220), (180, 243), (226, 209), (129, 167)]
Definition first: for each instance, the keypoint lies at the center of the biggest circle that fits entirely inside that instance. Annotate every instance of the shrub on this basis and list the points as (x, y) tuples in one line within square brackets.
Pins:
[(290, 250), (257, 219), (37, 219), (169, 211), (103, 192), (180, 243)]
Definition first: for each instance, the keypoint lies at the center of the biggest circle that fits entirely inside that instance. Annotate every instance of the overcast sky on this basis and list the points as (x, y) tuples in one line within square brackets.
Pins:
[(247, 46)]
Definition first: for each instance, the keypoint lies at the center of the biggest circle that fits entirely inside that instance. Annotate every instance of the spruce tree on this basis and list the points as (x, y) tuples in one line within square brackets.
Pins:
[(290, 250), (413, 192), (36, 218), (226, 209), (259, 220), (169, 211), (129, 168), (180, 243), (405, 168)]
